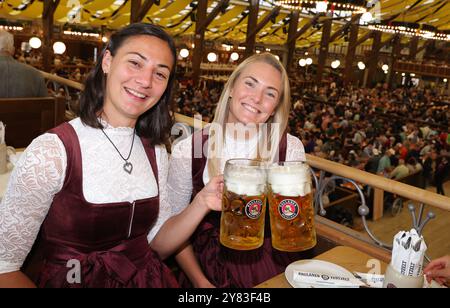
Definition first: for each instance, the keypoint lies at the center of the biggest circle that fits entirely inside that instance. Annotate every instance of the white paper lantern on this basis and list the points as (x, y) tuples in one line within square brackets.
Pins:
[(366, 17), (35, 42), (361, 65), (321, 7), (59, 48), (184, 53), (212, 57), (335, 64)]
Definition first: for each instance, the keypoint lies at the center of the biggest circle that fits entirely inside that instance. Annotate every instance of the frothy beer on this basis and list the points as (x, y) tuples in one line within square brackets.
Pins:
[(243, 205), (291, 207)]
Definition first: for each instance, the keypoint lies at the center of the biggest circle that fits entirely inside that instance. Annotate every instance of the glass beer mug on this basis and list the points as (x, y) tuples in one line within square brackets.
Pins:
[(243, 204), (291, 206)]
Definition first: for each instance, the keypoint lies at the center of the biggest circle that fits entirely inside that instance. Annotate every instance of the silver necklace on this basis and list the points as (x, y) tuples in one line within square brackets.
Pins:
[(127, 166)]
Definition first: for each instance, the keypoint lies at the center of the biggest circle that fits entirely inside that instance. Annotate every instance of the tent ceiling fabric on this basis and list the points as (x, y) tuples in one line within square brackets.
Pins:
[(177, 15)]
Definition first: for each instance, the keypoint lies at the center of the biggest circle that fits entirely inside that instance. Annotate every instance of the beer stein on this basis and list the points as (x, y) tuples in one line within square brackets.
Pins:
[(243, 204), (291, 206)]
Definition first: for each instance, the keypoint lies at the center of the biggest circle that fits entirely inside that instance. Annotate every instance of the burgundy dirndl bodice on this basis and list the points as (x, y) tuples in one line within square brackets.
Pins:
[(108, 241), (226, 267)]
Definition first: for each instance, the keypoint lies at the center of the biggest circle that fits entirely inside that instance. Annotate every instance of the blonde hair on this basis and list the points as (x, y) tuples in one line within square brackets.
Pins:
[(280, 117), (6, 42)]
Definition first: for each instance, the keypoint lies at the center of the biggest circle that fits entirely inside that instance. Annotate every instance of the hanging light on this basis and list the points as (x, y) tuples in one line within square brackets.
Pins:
[(309, 61), (184, 53), (212, 57), (335, 64), (361, 65), (104, 39), (35, 42), (234, 56), (385, 67), (445, 80), (346, 7), (302, 62), (59, 48), (366, 17), (412, 29), (321, 6)]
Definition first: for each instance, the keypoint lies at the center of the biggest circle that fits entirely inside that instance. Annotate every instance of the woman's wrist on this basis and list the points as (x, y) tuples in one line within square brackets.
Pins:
[(200, 203)]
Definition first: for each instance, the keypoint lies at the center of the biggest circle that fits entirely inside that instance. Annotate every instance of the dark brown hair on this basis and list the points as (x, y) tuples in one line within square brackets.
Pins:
[(155, 123)]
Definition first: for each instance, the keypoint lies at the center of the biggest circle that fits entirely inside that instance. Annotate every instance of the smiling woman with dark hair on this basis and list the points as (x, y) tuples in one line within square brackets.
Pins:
[(91, 193)]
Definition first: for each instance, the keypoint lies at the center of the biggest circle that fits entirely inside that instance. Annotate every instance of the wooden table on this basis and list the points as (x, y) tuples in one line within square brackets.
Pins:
[(347, 257)]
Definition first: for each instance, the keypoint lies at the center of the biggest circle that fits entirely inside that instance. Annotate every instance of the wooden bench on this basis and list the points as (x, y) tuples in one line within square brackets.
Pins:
[(27, 118), (414, 179)]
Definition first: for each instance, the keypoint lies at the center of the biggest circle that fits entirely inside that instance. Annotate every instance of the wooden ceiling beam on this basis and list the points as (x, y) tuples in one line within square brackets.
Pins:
[(364, 38), (202, 22), (305, 28), (139, 9), (341, 30), (252, 23), (323, 52), (47, 25), (209, 18), (292, 38), (274, 13), (145, 8), (350, 56), (49, 7)]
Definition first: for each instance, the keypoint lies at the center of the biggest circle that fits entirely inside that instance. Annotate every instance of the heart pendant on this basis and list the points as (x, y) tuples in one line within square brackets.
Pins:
[(128, 167)]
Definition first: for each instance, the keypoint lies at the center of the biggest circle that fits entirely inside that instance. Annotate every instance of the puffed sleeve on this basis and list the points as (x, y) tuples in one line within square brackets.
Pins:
[(165, 211), (295, 149), (37, 177), (179, 181)]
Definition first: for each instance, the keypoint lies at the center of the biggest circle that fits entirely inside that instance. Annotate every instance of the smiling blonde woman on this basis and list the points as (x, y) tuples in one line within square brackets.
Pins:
[(250, 122)]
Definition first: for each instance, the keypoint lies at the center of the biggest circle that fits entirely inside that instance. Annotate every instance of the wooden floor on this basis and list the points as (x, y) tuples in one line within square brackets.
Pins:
[(436, 232)]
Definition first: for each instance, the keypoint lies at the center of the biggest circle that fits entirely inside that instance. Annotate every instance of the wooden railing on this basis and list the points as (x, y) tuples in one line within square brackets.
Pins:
[(422, 69)]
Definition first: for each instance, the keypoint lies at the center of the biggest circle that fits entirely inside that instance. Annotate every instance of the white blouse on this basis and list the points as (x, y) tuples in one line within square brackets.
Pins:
[(179, 181), (40, 174)]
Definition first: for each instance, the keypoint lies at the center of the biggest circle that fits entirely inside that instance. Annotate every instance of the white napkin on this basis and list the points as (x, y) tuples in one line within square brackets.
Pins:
[(372, 280), (320, 280), (408, 253)]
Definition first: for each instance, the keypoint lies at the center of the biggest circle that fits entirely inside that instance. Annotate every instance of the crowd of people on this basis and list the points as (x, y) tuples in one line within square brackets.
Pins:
[(391, 133)]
